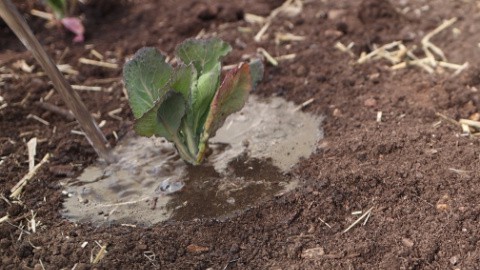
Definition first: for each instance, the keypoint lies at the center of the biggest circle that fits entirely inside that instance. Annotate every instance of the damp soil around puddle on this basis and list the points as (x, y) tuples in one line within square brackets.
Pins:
[(249, 162)]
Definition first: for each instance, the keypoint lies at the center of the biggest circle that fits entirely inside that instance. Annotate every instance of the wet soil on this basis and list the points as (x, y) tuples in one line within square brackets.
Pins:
[(419, 174), (249, 160)]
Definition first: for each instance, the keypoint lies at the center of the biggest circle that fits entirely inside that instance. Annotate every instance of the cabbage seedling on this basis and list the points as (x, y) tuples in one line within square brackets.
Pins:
[(189, 103)]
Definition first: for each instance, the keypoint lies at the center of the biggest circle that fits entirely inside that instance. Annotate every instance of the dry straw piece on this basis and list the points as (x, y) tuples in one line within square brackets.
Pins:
[(37, 118), (365, 215), (286, 57), (96, 54), (17, 189), (33, 224), (4, 219), (254, 19), (346, 49), (87, 88), (97, 63), (287, 37), (400, 56), (100, 255), (32, 151), (67, 69), (41, 14), (304, 104), (324, 222), (290, 8), (469, 127), (113, 114), (268, 56)]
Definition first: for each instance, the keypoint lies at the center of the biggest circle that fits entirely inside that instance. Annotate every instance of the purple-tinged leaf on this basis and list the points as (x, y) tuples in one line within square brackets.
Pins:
[(74, 25), (229, 98)]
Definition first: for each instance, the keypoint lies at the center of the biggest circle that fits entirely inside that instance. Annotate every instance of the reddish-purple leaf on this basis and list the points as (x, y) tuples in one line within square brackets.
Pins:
[(229, 98), (75, 26)]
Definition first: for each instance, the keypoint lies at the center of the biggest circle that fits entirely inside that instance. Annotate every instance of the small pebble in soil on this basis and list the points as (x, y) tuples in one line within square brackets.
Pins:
[(301, 71), (168, 186), (336, 13), (293, 250), (336, 112), (142, 247), (313, 253), (234, 249), (370, 102), (333, 33), (442, 206), (196, 249), (418, 175), (454, 260), (407, 242)]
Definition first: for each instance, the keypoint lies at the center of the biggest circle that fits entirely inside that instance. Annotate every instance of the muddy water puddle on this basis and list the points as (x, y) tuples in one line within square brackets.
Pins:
[(251, 156)]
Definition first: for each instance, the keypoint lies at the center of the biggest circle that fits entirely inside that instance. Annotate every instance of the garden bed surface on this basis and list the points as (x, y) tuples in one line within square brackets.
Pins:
[(414, 169)]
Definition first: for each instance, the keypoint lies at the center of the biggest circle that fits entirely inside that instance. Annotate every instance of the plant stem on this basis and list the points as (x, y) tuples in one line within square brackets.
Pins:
[(192, 147), (182, 150)]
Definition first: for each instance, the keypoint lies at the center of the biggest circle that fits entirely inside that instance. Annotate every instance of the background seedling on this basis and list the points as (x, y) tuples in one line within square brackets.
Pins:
[(14, 20), (63, 11)]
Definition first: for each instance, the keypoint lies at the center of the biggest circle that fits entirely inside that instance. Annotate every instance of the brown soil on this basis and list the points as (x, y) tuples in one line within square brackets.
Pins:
[(421, 178)]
